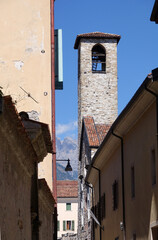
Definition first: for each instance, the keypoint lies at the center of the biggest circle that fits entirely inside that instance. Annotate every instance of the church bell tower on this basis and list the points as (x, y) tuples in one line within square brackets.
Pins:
[(97, 76)]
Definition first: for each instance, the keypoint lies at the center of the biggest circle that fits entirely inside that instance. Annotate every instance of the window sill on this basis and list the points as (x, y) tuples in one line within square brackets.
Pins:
[(102, 72)]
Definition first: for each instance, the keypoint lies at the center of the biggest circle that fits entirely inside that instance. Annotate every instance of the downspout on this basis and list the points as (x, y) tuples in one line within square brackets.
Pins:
[(53, 116), (153, 93), (100, 229), (123, 228)]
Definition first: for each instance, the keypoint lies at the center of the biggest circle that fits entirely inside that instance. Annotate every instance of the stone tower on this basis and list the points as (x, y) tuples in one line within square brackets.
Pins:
[(97, 110), (97, 76)]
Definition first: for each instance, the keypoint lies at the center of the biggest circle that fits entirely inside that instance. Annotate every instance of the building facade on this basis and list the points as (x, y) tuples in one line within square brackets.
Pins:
[(24, 143), (126, 194), (26, 61), (67, 205), (97, 108)]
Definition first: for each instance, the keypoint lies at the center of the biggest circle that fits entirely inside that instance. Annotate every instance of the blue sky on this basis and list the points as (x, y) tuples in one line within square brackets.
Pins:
[(137, 49)]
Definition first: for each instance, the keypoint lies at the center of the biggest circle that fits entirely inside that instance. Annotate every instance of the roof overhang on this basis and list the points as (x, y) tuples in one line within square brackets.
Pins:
[(96, 35), (39, 135), (154, 14)]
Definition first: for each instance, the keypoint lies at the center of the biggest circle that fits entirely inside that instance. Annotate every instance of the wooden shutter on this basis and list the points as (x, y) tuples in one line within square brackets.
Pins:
[(58, 226), (64, 225), (73, 225)]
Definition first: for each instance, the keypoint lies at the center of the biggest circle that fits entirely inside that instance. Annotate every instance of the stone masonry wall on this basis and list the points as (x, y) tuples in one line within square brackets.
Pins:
[(15, 194), (84, 229), (97, 92)]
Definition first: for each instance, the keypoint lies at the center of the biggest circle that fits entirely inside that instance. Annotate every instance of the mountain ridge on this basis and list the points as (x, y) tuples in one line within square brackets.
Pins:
[(66, 149)]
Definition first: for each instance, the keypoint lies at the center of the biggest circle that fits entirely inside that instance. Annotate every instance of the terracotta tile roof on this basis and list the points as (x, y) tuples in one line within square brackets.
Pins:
[(67, 189), (91, 131), (95, 132), (95, 35), (102, 130)]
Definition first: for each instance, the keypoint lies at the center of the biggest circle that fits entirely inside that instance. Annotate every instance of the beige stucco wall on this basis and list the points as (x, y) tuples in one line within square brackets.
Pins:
[(25, 60), (64, 215), (141, 212), (109, 173)]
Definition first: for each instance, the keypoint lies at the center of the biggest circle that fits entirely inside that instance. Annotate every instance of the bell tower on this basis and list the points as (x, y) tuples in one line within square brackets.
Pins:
[(97, 76)]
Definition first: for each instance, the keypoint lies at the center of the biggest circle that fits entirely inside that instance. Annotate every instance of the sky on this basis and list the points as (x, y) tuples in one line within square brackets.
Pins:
[(137, 50)]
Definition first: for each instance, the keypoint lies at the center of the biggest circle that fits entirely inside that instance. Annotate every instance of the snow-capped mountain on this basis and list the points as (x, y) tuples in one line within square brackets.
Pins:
[(68, 148)]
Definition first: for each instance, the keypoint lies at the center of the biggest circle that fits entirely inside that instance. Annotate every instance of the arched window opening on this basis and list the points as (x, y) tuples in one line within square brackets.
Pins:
[(98, 59)]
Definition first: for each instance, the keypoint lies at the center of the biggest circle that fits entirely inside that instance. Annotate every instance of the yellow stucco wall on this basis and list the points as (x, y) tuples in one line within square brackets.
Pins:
[(25, 56)]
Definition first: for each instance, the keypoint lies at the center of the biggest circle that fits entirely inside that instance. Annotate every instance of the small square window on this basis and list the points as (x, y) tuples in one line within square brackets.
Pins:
[(68, 206)]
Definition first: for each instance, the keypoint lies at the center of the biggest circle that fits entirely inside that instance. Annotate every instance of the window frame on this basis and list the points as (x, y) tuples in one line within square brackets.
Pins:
[(68, 206), (68, 225)]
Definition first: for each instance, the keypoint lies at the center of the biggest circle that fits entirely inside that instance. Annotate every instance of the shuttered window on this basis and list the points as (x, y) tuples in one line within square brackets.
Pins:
[(68, 206), (58, 226), (73, 225), (64, 225), (115, 195), (68, 225)]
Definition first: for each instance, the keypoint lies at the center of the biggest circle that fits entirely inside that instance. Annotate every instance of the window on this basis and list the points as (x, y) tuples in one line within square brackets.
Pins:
[(98, 59), (153, 167), (115, 195), (68, 206), (132, 182), (58, 225), (68, 225), (102, 207)]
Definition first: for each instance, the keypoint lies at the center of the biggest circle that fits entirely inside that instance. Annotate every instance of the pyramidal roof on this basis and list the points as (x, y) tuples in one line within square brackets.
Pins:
[(95, 35)]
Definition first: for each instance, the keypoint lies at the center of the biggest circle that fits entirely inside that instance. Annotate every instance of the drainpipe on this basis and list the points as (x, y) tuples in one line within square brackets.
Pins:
[(123, 228), (99, 199), (150, 91), (154, 94), (154, 77), (53, 116)]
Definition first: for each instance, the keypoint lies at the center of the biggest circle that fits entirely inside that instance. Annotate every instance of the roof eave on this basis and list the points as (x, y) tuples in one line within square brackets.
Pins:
[(154, 14)]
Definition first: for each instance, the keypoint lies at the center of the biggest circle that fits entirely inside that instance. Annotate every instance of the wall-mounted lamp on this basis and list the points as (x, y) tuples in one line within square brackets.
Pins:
[(68, 167)]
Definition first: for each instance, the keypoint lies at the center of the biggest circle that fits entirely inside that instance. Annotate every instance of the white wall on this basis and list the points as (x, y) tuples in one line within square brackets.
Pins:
[(64, 215)]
